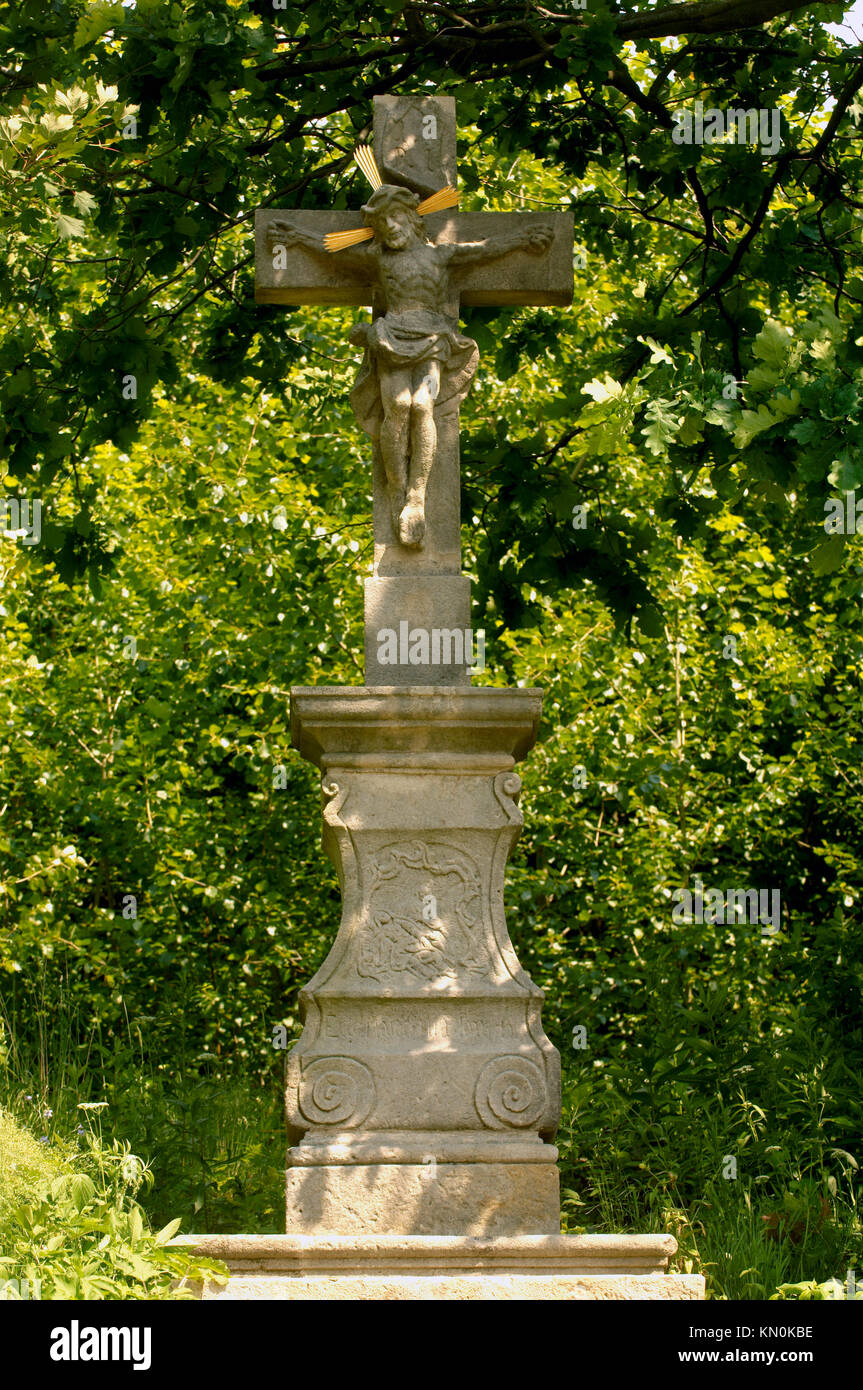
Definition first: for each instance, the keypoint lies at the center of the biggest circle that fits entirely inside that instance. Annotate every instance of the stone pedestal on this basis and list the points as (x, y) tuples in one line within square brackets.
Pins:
[(305, 1268), (423, 1095)]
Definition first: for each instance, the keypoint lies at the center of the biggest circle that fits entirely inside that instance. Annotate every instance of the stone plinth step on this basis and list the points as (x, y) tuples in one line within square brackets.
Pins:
[(550, 1267)]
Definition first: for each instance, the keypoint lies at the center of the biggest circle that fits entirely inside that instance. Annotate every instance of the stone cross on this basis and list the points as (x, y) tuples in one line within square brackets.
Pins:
[(417, 367), (423, 1096)]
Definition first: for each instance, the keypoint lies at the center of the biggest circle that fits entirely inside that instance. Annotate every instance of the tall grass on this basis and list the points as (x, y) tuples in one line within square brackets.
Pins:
[(754, 1190)]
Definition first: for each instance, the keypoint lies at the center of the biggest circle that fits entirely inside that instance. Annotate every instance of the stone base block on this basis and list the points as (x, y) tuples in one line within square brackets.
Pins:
[(305, 1268), (448, 1199), (427, 619), (467, 1288)]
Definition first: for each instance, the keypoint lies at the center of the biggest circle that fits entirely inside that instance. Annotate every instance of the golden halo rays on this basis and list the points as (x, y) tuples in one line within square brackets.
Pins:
[(366, 161), (436, 202)]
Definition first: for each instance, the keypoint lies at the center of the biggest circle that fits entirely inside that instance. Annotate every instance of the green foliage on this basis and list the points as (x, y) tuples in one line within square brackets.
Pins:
[(136, 143), (77, 1236), (162, 891), (830, 1289), (24, 1163)]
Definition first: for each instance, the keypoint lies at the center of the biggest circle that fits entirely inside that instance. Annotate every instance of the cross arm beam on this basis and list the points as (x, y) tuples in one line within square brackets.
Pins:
[(499, 271)]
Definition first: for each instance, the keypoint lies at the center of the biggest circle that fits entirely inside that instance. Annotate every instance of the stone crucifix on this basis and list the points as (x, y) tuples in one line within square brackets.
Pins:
[(423, 1095), (415, 272)]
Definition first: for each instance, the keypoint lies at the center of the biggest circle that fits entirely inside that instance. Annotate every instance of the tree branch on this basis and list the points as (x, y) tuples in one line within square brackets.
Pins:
[(705, 17)]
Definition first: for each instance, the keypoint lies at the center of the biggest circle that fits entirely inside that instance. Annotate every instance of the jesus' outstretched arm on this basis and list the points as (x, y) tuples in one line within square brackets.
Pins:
[(535, 239), (358, 259)]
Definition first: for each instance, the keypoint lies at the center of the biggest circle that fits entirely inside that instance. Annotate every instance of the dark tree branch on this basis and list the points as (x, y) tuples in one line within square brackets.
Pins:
[(705, 17), (516, 44)]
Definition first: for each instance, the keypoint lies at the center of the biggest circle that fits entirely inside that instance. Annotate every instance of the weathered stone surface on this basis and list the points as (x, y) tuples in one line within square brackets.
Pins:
[(524, 278), (417, 1146), (387, 728), (422, 1039), (309, 279), (436, 610), (432, 1198), (461, 1288), (550, 1267), (415, 141), (441, 552)]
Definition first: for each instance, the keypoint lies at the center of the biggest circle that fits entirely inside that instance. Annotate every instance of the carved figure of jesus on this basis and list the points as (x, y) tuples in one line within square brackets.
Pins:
[(415, 358)]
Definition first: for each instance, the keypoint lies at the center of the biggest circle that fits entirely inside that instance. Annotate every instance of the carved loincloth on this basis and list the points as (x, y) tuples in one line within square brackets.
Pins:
[(397, 342)]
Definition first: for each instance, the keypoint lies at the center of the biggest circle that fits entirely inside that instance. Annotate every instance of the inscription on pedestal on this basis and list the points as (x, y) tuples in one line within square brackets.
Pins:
[(419, 1023)]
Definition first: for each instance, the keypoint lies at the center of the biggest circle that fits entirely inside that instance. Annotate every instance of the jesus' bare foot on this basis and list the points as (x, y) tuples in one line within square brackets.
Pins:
[(412, 525)]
